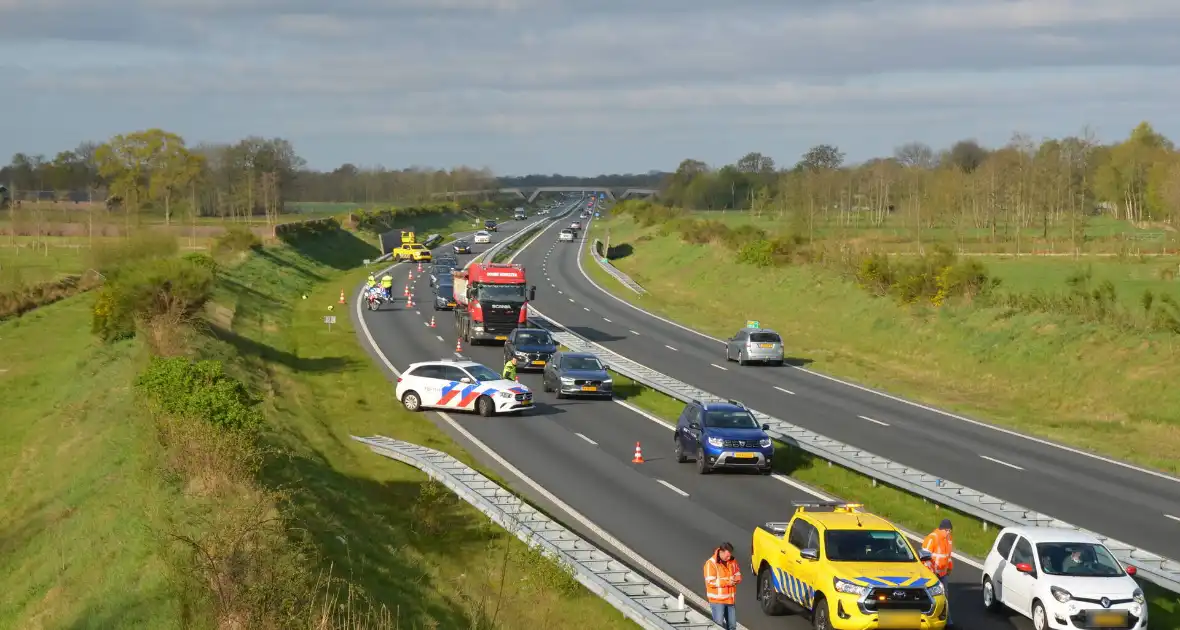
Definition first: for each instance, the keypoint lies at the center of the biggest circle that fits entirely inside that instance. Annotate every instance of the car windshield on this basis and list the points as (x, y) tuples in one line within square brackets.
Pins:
[(446, 288), (460, 243), (483, 374), (764, 337), (1078, 559), (858, 545), (533, 339), (730, 419), (508, 292), (581, 363)]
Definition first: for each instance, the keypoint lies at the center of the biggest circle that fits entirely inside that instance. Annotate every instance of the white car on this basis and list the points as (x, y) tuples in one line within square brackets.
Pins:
[(576, 225), (566, 235), (1061, 578), (460, 385), (483, 236)]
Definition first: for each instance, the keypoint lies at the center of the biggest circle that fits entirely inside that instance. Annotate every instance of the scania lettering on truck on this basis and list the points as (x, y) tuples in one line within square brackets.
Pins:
[(491, 301)]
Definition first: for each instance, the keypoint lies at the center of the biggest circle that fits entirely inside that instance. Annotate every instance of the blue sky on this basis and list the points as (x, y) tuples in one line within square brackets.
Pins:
[(524, 86)]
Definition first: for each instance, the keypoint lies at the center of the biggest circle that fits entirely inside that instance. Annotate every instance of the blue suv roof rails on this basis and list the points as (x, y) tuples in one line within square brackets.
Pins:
[(696, 402), (736, 403)]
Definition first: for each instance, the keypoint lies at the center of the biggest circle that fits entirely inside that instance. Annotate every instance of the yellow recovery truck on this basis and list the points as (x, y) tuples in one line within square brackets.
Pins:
[(410, 249)]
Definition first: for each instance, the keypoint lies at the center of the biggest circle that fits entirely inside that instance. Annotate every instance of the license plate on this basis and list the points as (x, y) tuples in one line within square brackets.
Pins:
[(525, 403), (767, 345), (1104, 619), (744, 455), (898, 619), (501, 337), (450, 303), (538, 363), (589, 389)]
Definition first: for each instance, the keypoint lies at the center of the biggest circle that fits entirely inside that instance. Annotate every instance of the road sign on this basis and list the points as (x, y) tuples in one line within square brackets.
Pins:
[(596, 215), (753, 324), (602, 195), (329, 320)]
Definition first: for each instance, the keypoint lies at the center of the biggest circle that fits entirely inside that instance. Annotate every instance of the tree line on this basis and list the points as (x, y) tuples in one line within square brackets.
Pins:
[(1023, 184)]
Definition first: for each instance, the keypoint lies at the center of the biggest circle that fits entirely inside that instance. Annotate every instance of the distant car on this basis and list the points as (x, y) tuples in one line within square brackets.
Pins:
[(755, 344), (446, 258), (531, 347), (489, 225), (460, 385), (461, 247), (722, 435), (444, 294), (482, 237), (441, 270), (566, 235), (576, 225), (577, 374), (1061, 578)]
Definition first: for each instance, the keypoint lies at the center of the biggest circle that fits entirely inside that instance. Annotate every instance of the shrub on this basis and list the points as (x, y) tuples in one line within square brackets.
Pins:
[(204, 261), (171, 287), (200, 390), (107, 257), (290, 232), (236, 239)]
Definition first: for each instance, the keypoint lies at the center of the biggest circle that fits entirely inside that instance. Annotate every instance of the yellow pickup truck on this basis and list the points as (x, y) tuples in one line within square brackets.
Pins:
[(847, 569), (412, 251)]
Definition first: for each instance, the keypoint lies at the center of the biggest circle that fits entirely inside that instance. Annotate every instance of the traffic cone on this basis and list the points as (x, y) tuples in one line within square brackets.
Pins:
[(411, 275), (516, 377), (458, 345), (342, 296), (638, 459), (406, 293), (432, 321)]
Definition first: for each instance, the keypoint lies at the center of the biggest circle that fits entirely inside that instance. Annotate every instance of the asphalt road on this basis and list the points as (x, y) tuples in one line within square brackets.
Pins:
[(581, 451), (1131, 505)]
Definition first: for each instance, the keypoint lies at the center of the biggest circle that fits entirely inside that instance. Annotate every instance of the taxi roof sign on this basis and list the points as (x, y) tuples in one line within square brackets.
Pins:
[(753, 323)]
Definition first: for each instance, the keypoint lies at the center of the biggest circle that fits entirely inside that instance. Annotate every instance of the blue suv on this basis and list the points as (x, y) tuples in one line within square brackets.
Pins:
[(722, 435)]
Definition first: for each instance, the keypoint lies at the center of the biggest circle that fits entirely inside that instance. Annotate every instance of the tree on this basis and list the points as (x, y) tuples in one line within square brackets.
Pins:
[(755, 162), (822, 157), (128, 162), (966, 155), (915, 155)]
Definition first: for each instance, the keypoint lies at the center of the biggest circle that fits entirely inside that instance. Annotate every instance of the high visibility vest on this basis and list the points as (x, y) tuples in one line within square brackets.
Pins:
[(941, 545), (721, 580), (509, 372), (386, 281)]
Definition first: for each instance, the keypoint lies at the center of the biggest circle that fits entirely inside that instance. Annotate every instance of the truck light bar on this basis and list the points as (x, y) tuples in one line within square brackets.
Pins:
[(802, 506)]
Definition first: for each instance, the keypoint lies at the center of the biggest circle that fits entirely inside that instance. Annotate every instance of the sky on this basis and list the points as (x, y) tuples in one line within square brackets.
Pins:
[(588, 86)]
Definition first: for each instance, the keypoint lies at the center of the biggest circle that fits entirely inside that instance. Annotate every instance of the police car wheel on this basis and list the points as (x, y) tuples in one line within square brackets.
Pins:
[(411, 401), (485, 406)]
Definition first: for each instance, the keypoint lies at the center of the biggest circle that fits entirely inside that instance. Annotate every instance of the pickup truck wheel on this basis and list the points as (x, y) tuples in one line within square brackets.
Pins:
[(819, 616), (767, 596), (702, 464), (485, 406)]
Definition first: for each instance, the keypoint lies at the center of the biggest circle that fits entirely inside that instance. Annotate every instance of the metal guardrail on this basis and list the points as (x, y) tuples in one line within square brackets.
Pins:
[(1157, 569), (612, 270), (635, 596)]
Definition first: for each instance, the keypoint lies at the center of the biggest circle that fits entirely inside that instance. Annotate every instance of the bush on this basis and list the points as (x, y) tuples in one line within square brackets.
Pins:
[(107, 257), (200, 390), (290, 232), (204, 261), (170, 287), (236, 239)]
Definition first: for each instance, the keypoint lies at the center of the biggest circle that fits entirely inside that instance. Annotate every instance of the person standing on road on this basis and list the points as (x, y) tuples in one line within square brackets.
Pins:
[(722, 575), (387, 286), (509, 372), (941, 545)]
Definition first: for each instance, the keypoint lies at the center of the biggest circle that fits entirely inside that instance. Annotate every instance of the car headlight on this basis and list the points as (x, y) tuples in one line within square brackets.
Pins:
[(714, 441), (1138, 597), (566, 380), (608, 381), (478, 328), (1137, 609), (521, 355), (936, 590), (1060, 594), (765, 443), (844, 586)]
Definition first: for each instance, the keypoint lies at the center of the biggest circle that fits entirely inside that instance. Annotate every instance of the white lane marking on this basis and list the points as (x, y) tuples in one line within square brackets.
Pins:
[(672, 487), (633, 332), (418, 312), (587, 439), (719, 367), (560, 292), (553, 285), (785, 391), (584, 308), (571, 299), (884, 424), (607, 320), (671, 348), (978, 423), (439, 337), (1174, 518), (1001, 462)]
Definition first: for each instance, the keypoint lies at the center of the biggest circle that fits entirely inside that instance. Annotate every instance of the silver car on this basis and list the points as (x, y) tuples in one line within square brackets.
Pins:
[(760, 345)]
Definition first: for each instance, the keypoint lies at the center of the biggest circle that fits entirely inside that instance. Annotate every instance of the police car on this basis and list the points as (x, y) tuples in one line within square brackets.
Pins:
[(460, 385)]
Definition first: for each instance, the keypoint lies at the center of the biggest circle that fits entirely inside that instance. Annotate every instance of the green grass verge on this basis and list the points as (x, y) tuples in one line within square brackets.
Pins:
[(510, 250)]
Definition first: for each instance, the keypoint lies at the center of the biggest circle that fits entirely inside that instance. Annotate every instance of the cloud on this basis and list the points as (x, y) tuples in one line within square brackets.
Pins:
[(364, 75)]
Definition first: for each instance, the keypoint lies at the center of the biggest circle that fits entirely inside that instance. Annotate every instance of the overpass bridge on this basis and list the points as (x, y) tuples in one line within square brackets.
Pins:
[(531, 197)]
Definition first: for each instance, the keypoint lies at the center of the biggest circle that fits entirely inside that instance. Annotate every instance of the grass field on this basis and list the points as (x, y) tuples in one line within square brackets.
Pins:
[(87, 512), (24, 265), (1077, 383)]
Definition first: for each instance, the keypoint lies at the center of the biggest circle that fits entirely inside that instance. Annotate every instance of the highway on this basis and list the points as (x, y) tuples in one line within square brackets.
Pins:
[(581, 451), (1136, 506)]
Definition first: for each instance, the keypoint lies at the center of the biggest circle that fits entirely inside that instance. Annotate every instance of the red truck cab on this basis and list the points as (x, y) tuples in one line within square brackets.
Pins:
[(491, 301)]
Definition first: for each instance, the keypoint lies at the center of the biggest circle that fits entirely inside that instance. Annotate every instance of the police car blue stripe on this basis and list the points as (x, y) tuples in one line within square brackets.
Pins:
[(452, 385)]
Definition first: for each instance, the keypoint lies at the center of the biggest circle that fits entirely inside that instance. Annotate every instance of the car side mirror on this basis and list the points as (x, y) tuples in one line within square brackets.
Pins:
[(605, 367), (1024, 567), (532, 293), (1131, 571), (695, 426), (465, 380), (766, 427), (810, 554), (924, 555)]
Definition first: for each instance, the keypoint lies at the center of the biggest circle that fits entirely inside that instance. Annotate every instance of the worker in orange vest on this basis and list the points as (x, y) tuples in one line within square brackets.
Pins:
[(941, 545), (722, 575)]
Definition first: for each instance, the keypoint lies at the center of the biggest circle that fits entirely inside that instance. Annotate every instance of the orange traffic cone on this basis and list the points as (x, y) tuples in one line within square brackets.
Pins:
[(516, 377), (638, 459), (432, 321), (406, 293), (459, 345), (342, 296), (411, 275)]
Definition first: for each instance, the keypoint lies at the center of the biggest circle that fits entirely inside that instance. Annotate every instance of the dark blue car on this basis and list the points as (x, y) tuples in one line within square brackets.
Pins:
[(722, 435), (532, 348)]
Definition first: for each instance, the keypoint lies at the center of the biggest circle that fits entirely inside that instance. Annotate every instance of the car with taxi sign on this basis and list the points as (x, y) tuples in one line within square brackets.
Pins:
[(1061, 578), (722, 435), (460, 385), (577, 374), (755, 344), (847, 569)]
